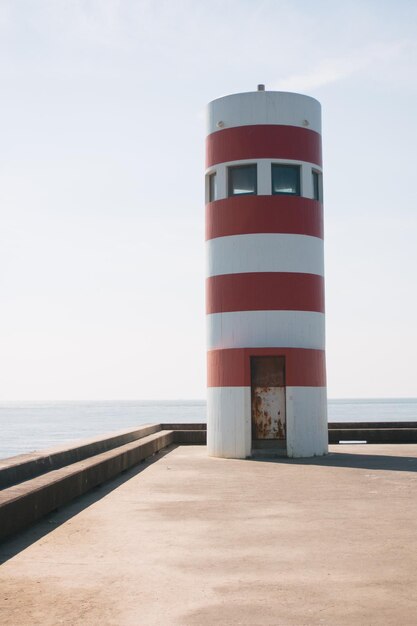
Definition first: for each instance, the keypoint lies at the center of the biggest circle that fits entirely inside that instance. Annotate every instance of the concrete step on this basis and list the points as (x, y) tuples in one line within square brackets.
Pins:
[(26, 502), (26, 466)]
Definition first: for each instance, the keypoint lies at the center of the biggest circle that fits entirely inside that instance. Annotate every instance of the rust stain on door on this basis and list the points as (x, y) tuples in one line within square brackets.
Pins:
[(268, 398)]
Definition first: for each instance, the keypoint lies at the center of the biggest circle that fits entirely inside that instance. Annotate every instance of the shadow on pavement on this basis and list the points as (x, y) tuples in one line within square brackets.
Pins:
[(358, 460)]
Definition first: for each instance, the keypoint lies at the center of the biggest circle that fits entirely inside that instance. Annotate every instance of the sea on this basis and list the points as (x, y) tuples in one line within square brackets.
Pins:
[(30, 426)]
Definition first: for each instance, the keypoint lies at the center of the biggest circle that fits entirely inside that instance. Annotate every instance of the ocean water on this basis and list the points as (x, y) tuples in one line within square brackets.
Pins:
[(29, 426)]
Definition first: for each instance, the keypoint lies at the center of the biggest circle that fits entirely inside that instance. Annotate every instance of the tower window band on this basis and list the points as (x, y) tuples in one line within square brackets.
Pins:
[(285, 179), (242, 180)]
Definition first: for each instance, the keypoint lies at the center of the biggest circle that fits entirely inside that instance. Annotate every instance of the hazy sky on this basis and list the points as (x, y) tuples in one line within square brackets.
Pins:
[(101, 185)]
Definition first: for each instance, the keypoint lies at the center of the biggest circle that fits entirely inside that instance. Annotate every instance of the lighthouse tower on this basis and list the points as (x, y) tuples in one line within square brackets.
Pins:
[(265, 276)]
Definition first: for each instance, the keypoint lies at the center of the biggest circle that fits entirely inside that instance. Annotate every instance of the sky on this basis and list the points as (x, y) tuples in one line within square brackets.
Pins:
[(102, 132)]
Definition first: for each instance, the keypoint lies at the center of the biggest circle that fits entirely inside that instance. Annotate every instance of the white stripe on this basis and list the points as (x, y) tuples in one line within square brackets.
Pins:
[(264, 107), (265, 329), (265, 253), (229, 422), (307, 429), (229, 426)]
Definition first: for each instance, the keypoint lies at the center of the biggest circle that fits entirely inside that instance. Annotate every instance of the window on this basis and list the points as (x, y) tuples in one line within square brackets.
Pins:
[(212, 187), (242, 180), (286, 179), (317, 195)]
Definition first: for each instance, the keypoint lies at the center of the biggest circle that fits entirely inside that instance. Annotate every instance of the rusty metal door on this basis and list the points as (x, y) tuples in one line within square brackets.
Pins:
[(268, 398)]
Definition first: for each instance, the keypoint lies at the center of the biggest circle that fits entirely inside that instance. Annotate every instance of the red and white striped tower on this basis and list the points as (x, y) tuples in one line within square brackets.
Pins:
[(265, 276)]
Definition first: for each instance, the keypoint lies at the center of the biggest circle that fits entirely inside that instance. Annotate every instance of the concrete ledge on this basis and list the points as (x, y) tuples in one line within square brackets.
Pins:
[(371, 425), (26, 466), (181, 426), (190, 437), (23, 504), (374, 435)]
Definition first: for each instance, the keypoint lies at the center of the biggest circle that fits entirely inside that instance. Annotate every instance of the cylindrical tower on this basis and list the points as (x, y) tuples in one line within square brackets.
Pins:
[(265, 276)]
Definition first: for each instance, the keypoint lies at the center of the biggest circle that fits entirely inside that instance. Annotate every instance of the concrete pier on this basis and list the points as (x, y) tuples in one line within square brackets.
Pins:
[(192, 540)]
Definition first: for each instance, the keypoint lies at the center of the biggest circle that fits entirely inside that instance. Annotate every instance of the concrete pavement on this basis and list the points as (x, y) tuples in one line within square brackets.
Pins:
[(190, 540)]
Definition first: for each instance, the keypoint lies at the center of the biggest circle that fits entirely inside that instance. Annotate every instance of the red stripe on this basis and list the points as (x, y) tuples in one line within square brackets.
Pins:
[(269, 141), (265, 291), (264, 214), (231, 368)]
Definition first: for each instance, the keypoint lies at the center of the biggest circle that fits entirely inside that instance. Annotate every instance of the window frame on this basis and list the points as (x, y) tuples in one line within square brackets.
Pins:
[(212, 188), (231, 169), (293, 166), (319, 179)]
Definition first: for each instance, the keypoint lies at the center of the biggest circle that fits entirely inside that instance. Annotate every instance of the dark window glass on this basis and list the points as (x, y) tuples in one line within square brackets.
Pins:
[(212, 187), (242, 180), (286, 179), (316, 186)]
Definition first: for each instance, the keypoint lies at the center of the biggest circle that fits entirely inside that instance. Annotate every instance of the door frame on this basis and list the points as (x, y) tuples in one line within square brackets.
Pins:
[(273, 447)]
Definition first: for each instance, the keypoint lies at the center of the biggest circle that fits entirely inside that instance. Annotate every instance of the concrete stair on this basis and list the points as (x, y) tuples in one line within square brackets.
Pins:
[(40, 483)]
